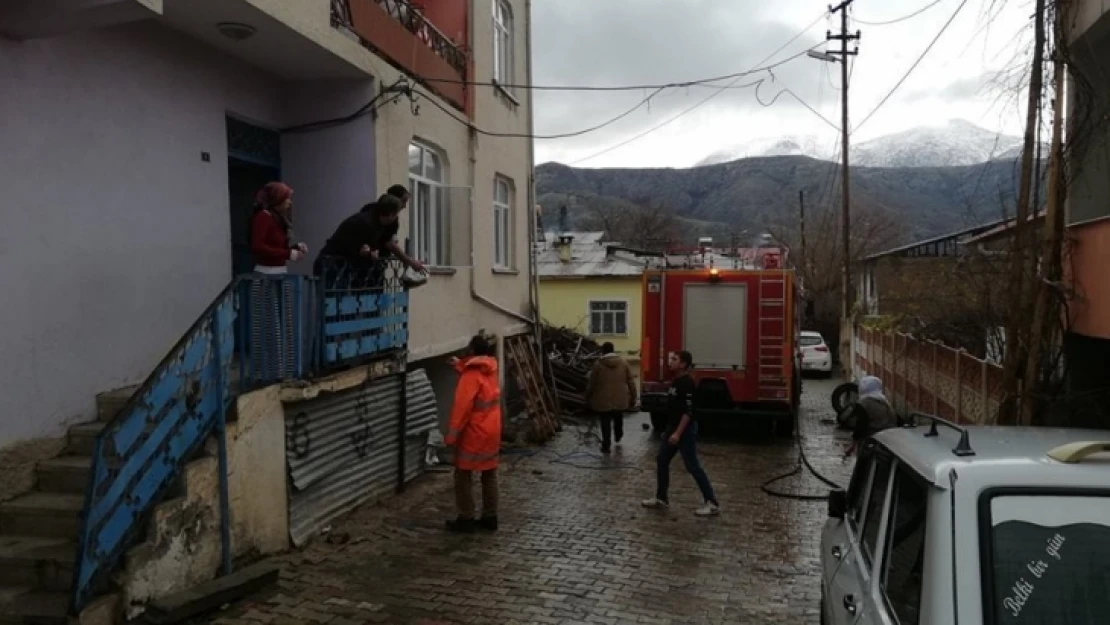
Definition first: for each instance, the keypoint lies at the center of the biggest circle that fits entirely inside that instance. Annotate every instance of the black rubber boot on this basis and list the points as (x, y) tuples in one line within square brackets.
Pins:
[(488, 524), (461, 525)]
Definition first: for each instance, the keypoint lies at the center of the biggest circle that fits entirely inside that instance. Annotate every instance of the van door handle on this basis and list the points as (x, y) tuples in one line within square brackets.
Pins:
[(837, 552), (850, 604)]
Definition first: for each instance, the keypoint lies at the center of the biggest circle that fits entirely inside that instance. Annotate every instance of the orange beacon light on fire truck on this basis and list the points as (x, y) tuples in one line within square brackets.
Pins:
[(714, 274)]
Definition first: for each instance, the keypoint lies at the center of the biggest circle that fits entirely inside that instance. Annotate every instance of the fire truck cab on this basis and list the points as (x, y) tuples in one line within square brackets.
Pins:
[(737, 315)]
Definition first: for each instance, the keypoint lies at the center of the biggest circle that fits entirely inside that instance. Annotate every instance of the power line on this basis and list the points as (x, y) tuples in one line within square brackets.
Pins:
[(787, 91), (517, 135), (912, 67), (719, 91), (702, 82), (900, 19)]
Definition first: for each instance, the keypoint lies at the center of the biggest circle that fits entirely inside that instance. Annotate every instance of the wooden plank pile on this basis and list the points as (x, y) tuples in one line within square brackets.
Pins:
[(570, 356), (528, 374)]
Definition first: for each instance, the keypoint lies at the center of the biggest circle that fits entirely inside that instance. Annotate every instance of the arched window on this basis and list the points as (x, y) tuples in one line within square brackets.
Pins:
[(428, 217), (502, 223)]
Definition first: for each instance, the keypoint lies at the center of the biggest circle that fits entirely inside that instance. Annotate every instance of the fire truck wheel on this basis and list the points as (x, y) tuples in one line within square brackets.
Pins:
[(844, 395)]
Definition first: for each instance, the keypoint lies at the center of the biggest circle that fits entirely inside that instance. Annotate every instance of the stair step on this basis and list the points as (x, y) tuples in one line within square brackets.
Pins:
[(20, 604), (51, 515), (110, 403), (82, 438), (45, 563), (64, 474)]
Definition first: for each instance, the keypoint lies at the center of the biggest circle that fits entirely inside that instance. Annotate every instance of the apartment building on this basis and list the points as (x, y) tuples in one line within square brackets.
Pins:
[(140, 130)]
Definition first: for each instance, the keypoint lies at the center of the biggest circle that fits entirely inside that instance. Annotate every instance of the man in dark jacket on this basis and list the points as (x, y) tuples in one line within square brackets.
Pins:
[(610, 392), (367, 236), (681, 438)]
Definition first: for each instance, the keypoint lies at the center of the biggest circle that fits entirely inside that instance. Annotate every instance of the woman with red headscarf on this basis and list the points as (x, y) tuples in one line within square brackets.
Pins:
[(272, 229)]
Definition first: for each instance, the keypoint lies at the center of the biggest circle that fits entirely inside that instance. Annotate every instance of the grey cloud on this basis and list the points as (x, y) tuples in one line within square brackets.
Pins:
[(607, 42)]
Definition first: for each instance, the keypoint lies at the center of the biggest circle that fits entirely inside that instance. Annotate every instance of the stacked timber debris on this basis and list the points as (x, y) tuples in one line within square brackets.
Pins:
[(527, 372), (570, 356)]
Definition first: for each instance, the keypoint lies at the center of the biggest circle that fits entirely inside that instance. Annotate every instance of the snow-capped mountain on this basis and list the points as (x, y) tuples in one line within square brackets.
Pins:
[(957, 142), (771, 146)]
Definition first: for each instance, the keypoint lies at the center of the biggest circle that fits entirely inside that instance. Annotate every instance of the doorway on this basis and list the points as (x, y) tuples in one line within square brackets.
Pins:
[(253, 159)]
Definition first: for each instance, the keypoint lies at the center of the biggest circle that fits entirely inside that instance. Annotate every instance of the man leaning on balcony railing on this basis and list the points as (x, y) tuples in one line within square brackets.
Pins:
[(365, 239)]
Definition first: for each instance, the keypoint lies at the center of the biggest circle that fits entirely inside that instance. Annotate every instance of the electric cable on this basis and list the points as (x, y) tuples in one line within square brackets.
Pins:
[(900, 19), (701, 82), (703, 101), (521, 135), (902, 80)]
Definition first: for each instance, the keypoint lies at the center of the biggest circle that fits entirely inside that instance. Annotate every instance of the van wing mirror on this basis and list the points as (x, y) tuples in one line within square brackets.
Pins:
[(838, 504)]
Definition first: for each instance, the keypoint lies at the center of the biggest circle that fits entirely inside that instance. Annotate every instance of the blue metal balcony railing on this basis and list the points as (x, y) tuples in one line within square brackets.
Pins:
[(289, 327)]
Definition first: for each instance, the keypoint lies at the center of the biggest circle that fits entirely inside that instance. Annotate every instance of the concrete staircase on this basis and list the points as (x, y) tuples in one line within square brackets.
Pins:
[(38, 530)]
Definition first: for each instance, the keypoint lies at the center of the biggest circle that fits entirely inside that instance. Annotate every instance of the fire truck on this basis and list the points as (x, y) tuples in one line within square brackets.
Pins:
[(737, 314)]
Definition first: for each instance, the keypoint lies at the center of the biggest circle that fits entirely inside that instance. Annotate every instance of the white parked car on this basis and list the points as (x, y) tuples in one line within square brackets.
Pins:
[(815, 353), (976, 526)]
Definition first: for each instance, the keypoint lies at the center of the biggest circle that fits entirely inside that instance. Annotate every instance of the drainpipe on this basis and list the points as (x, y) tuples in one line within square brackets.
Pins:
[(473, 147), (533, 272)]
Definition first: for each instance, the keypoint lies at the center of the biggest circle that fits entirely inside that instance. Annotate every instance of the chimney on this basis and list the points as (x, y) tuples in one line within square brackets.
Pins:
[(564, 246)]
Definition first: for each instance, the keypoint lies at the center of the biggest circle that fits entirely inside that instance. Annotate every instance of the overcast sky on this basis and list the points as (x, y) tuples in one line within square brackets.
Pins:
[(620, 42)]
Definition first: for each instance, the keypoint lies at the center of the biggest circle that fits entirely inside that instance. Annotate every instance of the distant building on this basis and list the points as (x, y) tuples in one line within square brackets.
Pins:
[(588, 285)]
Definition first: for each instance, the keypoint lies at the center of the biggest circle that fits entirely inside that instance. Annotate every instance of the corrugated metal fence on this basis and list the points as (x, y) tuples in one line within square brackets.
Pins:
[(345, 448)]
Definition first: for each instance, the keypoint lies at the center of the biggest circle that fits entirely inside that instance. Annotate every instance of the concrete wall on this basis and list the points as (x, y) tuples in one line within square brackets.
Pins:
[(182, 546), (116, 195), (108, 201), (331, 170)]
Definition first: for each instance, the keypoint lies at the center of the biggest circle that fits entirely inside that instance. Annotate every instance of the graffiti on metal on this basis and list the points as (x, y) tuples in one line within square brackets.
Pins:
[(353, 456)]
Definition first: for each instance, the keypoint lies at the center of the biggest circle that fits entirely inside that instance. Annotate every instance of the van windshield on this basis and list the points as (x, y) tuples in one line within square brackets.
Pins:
[(1050, 559)]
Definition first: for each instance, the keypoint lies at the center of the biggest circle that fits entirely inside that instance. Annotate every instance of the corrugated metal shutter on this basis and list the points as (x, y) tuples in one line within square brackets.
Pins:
[(341, 449), (422, 417)]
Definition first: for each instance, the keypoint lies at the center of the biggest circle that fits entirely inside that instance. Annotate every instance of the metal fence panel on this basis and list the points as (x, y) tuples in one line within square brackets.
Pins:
[(342, 449)]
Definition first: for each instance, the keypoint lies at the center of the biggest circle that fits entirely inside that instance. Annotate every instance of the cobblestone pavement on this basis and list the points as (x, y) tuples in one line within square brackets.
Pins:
[(576, 547)]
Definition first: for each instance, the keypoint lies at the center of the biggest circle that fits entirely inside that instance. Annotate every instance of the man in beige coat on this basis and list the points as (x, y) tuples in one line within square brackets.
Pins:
[(610, 393)]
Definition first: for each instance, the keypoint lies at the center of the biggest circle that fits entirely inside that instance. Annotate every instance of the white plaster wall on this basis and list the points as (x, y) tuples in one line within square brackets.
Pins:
[(502, 156), (443, 315)]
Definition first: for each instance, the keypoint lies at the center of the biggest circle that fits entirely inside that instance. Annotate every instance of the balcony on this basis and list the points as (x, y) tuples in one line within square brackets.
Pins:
[(391, 28)]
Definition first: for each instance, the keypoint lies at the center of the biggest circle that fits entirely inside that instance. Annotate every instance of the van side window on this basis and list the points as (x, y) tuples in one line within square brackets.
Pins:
[(875, 500), (904, 557), (857, 487)]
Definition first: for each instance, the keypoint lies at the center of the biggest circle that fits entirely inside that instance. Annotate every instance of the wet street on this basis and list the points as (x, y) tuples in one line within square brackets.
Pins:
[(575, 546)]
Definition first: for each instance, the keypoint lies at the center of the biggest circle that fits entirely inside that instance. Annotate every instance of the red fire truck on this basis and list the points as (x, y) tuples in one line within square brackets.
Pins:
[(738, 316)]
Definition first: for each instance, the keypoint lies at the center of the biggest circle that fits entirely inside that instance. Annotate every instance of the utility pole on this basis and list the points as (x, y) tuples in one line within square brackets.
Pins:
[(802, 229), (845, 200)]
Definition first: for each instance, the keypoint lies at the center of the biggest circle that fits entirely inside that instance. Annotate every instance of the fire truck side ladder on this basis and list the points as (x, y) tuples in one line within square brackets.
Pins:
[(773, 383)]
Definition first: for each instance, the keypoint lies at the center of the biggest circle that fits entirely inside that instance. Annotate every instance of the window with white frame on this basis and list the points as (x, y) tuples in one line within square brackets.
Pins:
[(428, 212), (609, 318), (502, 222), (502, 42)]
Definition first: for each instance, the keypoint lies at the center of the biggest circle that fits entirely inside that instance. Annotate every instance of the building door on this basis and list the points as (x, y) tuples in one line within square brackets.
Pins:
[(254, 158)]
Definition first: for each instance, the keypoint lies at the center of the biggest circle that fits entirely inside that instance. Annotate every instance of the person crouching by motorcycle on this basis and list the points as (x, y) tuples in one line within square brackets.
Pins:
[(475, 433), (872, 412)]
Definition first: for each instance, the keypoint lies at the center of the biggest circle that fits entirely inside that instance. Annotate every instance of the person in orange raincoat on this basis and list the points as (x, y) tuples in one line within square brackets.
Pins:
[(475, 433)]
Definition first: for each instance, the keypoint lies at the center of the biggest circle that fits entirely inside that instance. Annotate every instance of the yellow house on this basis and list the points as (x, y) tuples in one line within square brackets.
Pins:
[(588, 286)]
